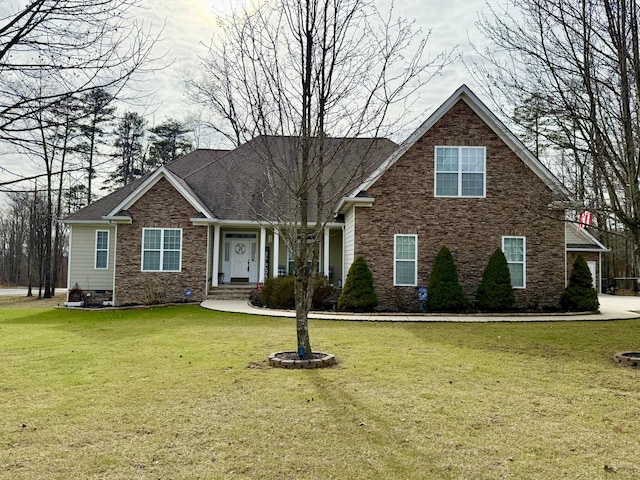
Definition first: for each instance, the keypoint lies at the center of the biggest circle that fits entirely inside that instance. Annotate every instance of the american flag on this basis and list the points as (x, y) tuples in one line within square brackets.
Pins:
[(585, 220)]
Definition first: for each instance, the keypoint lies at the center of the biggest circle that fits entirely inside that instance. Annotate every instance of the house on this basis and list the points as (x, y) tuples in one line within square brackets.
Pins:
[(462, 179), (581, 242)]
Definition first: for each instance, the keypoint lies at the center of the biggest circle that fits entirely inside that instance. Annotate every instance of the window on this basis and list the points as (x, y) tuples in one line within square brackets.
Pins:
[(515, 249), (102, 249), (405, 263), (460, 171), (161, 249)]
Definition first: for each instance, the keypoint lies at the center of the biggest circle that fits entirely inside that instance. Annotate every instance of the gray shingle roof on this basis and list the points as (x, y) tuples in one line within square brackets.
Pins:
[(243, 184)]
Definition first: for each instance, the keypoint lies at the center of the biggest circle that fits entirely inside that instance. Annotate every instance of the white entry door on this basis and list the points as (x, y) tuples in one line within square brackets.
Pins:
[(592, 269), (242, 258)]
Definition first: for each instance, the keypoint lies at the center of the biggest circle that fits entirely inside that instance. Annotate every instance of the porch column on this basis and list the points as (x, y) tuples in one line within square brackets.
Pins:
[(216, 256), (325, 256), (263, 250), (276, 250)]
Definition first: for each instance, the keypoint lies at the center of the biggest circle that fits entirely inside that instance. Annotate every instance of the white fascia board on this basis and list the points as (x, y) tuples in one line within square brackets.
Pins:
[(347, 202), (118, 219), (599, 246), (154, 178), (86, 223), (464, 93)]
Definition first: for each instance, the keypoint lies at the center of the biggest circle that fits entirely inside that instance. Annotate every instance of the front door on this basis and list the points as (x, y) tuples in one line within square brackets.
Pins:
[(241, 262)]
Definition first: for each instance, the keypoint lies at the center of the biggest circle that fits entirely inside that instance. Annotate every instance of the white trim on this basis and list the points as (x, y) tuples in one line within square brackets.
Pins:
[(348, 202), (95, 250), (459, 172), (395, 260), (275, 256), (465, 94), (216, 255), (262, 254), (151, 181), (325, 262), (162, 250), (69, 262), (524, 259)]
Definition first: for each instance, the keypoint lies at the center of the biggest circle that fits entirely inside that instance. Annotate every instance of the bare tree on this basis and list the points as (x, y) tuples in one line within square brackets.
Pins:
[(306, 71), (583, 59), (76, 45)]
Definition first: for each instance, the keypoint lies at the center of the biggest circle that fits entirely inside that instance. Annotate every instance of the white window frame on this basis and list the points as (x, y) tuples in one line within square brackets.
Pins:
[(396, 260), (523, 262), (96, 250), (162, 250), (460, 172)]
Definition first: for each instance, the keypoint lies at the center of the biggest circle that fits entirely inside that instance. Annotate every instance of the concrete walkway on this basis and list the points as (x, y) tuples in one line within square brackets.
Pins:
[(612, 307)]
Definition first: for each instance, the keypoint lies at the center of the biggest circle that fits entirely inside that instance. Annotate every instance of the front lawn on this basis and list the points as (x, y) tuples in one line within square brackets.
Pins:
[(185, 393)]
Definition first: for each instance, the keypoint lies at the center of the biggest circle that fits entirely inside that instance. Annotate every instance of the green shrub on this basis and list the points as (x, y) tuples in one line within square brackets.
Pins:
[(358, 293), (279, 292), (495, 292), (445, 291), (580, 296)]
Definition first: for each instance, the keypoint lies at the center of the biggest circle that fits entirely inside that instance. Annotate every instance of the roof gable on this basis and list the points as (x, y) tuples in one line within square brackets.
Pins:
[(176, 182), (465, 94), (581, 240)]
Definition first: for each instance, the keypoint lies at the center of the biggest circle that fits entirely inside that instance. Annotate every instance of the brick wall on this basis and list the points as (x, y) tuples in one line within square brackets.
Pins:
[(161, 207), (472, 228)]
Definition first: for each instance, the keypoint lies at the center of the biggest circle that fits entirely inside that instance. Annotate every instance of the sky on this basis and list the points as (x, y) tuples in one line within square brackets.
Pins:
[(190, 25)]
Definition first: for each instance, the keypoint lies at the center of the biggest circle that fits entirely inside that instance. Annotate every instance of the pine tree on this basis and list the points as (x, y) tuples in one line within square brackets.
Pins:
[(445, 291), (580, 296), (495, 292), (358, 293)]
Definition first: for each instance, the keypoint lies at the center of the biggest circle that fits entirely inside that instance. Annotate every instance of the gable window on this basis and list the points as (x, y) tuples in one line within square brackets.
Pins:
[(405, 260), (102, 249), (515, 249), (161, 249), (460, 171)]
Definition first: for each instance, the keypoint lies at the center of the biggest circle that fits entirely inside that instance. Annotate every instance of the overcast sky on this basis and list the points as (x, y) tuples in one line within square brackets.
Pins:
[(189, 26)]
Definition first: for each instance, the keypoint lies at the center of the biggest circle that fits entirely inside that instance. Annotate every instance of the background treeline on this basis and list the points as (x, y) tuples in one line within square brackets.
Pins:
[(87, 149)]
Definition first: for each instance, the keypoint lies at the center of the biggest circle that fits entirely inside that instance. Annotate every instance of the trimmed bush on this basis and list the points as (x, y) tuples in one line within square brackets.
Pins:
[(279, 292), (445, 291), (580, 296), (358, 293), (495, 292)]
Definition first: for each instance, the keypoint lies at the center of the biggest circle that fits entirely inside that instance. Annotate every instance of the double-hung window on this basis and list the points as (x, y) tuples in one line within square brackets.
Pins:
[(102, 250), (460, 171), (405, 261), (161, 249), (515, 250)]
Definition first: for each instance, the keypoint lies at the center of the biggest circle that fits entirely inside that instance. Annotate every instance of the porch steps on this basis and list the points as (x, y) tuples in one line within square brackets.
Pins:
[(230, 292)]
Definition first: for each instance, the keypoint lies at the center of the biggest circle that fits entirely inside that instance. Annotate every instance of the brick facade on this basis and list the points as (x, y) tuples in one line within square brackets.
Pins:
[(161, 207), (516, 204)]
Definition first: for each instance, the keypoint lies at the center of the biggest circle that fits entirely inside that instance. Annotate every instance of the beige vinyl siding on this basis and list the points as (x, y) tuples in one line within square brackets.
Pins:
[(82, 264), (349, 240)]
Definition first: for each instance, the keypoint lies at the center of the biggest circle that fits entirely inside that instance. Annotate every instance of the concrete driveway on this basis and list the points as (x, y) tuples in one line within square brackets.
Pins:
[(612, 307)]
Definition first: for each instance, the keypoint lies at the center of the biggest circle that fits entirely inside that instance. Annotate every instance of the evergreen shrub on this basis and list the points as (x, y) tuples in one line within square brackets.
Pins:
[(445, 292), (495, 292), (358, 293), (279, 292), (580, 296)]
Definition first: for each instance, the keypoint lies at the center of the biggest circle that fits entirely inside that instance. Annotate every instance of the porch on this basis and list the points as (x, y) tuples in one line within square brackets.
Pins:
[(246, 255)]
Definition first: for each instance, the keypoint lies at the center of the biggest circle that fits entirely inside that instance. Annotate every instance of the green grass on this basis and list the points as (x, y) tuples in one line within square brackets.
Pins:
[(185, 393)]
